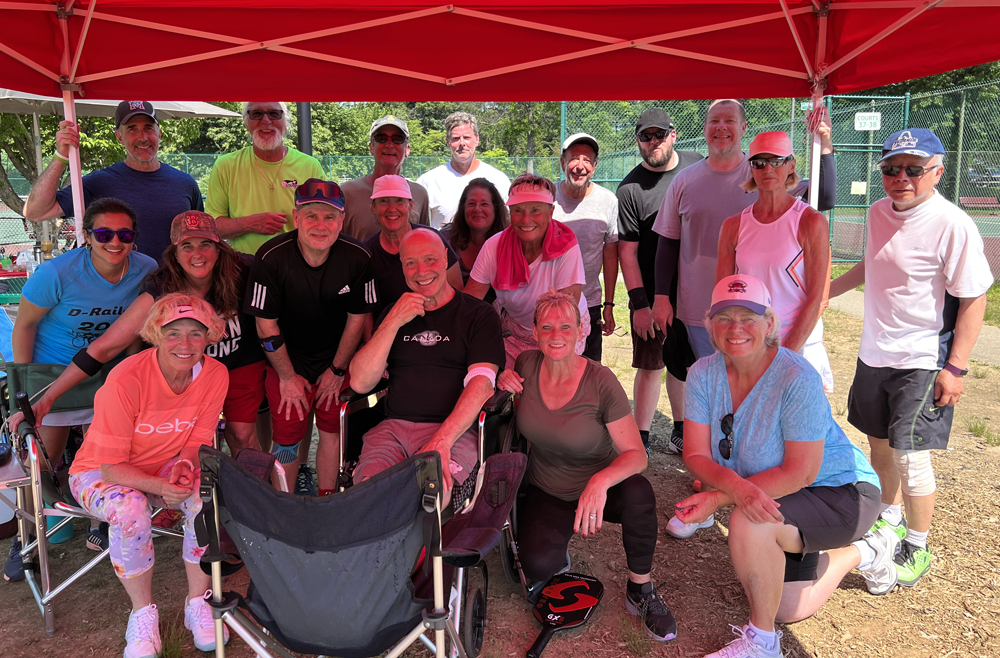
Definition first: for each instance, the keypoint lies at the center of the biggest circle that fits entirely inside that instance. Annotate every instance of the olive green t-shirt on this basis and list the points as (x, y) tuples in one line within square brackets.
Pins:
[(572, 443)]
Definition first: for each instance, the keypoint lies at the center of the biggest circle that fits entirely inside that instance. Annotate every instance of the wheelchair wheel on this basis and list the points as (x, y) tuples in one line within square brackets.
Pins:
[(474, 622)]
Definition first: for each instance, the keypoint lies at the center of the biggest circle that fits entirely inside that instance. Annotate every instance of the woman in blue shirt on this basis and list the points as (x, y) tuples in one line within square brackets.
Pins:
[(760, 435)]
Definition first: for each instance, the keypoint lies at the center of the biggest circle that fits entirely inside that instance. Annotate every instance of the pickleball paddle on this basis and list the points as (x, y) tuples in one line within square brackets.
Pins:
[(567, 601)]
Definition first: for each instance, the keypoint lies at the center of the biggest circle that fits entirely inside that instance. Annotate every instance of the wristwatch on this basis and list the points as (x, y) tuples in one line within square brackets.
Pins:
[(340, 372), (955, 370)]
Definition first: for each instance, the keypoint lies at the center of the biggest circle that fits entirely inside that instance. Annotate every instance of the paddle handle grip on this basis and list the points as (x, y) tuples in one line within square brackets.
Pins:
[(540, 642), (24, 404)]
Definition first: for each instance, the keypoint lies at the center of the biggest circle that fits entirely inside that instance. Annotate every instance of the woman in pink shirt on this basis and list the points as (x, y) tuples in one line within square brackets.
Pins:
[(155, 411)]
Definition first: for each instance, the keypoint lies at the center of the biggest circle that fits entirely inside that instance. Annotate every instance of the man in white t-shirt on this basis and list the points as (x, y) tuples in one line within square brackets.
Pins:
[(925, 279), (445, 184), (591, 212)]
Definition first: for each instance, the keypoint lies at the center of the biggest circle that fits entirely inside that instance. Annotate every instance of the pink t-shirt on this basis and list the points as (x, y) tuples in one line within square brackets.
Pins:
[(139, 421)]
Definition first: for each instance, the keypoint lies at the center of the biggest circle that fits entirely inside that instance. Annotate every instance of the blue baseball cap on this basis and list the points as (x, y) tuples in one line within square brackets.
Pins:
[(912, 141), (315, 190)]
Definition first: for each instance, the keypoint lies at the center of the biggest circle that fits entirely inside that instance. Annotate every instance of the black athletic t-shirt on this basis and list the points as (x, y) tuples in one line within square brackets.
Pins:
[(431, 354), (640, 195), (239, 346), (310, 303), (389, 280)]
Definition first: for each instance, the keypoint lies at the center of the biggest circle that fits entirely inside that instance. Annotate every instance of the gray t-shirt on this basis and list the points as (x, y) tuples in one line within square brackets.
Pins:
[(698, 201), (359, 220), (572, 443), (594, 221)]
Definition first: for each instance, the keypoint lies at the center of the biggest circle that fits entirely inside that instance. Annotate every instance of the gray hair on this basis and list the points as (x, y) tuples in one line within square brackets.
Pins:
[(773, 339), (456, 119)]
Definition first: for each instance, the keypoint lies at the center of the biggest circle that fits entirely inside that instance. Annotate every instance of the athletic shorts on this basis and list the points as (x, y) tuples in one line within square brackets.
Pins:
[(677, 353), (393, 440), (647, 353), (291, 431), (246, 390), (595, 340), (896, 404), (828, 518), (700, 342)]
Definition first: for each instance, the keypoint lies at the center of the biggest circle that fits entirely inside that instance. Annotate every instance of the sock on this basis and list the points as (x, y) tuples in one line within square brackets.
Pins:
[(765, 639), (644, 434), (867, 554), (635, 588), (679, 426), (918, 539), (893, 514)]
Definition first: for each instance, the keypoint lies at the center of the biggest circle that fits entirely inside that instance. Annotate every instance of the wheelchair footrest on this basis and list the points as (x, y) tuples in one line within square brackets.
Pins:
[(229, 603)]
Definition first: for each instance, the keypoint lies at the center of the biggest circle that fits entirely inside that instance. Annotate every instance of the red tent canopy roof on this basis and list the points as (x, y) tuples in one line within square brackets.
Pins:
[(485, 50)]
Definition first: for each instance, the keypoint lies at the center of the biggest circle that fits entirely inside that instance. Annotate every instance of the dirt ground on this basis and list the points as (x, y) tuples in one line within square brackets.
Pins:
[(954, 612)]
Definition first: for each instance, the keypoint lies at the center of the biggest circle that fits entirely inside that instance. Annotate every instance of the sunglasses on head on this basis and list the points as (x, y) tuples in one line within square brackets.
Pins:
[(325, 189), (659, 136), (913, 171), (760, 163), (105, 235), (273, 115), (382, 138), (726, 444)]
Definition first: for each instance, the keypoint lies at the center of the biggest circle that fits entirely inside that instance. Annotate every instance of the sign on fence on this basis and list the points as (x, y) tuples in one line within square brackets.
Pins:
[(868, 121)]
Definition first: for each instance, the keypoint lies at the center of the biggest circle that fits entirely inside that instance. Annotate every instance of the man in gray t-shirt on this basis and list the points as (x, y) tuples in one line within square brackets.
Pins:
[(591, 212)]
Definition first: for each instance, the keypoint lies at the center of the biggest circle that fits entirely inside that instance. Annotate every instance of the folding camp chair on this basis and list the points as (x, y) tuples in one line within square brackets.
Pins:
[(333, 575)]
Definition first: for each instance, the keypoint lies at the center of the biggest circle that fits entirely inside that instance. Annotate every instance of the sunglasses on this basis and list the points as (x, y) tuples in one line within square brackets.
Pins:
[(323, 189), (726, 444), (659, 135), (105, 235), (382, 138), (273, 115), (913, 171), (760, 163)]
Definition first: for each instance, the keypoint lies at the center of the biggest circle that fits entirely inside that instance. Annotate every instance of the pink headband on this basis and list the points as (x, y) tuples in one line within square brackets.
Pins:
[(528, 192)]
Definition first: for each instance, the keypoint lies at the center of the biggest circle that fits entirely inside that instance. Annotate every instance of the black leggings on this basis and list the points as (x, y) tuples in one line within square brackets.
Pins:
[(545, 526)]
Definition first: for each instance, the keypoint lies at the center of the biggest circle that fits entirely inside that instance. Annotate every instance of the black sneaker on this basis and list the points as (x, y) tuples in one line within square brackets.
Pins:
[(656, 616), (97, 538), (676, 444), (304, 485), (13, 571)]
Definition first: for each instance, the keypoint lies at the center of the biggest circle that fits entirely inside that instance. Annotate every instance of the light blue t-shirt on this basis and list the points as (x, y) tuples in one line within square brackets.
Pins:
[(82, 303), (786, 404)]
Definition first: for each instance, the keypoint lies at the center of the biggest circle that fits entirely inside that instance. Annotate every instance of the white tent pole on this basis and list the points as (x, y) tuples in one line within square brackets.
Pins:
[(69, 113), (815, 152)]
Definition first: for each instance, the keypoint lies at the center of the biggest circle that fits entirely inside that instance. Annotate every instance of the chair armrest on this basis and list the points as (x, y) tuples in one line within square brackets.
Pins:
[(498, 402), (350, 395)]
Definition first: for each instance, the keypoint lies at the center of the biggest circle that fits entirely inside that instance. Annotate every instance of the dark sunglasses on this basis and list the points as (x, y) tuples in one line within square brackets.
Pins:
[(913, 171), (760, 163), (322, 189), (726, 444), (273, 115), (382, 138), (659, 135), (105, 235)]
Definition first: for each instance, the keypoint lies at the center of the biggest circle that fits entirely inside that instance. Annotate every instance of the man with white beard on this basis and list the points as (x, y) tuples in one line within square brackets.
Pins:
[(251, 192)]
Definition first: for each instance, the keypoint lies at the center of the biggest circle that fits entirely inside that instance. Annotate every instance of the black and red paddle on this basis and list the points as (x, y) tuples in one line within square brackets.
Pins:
[(567, 601)]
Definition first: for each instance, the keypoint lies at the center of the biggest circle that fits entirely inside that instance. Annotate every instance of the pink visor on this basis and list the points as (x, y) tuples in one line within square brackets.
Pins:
[(774, 142), (527, 193), (391, 185)]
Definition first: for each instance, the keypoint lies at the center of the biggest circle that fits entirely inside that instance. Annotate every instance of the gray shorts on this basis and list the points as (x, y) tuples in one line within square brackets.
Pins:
[(393, 440), (832, 517), (896, 404)]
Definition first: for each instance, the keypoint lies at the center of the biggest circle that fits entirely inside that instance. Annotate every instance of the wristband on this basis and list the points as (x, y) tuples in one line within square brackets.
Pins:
[(611, 303), (638, 298), (56, 156), (955, 370), (272, 343), (185, 461), (87, 363), (485, 372), (340, 372)]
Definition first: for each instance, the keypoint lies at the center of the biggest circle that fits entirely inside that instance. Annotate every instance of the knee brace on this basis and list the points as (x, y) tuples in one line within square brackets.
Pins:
[(285, 454), (916, 476)]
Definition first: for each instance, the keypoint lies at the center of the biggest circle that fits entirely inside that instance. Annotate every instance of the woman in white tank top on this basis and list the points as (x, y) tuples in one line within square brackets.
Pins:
[(786, 244)]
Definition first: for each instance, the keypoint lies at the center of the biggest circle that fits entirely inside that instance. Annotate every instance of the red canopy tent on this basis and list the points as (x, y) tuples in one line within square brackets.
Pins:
[(322, 50)]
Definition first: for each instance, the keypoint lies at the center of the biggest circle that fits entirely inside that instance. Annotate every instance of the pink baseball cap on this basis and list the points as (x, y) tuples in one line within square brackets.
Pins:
[(391, 185), (775, 142), (196, 312), (528, 192), (740, 290)]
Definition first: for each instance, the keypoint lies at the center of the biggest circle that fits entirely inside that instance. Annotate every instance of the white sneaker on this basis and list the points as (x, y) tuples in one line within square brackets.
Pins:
[(198, 619), (745, 647), (881, 576), (142, 637), (679, 530)]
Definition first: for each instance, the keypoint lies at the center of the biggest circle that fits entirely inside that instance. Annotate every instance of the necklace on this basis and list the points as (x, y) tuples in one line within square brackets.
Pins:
[(124, 270), (267, 180)]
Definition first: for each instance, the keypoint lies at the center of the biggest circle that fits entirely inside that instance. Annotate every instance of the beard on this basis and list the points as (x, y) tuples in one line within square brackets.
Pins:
[(656, 162), (268, 143)]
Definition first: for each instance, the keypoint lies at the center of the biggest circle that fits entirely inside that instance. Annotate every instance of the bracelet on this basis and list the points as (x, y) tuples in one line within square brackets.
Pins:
[(609, 303), (272, 343), (56, 156), (87, 363), (185, 461), (638, 298)]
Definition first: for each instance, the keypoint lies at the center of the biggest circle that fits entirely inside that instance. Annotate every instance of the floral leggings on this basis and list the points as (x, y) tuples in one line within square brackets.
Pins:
[(127, 512)]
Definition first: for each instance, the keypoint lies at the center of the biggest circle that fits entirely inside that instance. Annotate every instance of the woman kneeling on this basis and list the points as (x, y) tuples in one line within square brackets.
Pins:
[(759, 431), (155, 411), (586, 456)]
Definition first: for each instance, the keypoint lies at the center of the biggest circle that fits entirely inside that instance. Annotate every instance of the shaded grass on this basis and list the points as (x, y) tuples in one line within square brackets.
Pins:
[(993, 305)]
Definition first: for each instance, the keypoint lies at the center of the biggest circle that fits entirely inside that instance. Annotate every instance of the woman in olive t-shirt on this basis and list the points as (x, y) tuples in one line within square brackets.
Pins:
[(586, 460)]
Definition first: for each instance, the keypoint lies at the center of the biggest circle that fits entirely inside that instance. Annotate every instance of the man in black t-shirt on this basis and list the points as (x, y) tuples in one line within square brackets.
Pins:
[(442, 349), (310, 290), (640, 195)]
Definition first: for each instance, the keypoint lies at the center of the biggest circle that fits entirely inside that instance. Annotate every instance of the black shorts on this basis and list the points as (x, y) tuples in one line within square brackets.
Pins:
[(828, 518), (895, 404), (647, 353), (595, 339)]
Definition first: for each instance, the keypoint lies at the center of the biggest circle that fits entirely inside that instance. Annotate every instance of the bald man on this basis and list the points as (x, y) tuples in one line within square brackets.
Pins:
[(442, 349)]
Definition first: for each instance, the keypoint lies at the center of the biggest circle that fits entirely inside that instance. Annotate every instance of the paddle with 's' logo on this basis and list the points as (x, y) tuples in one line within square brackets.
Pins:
[(567, 601)]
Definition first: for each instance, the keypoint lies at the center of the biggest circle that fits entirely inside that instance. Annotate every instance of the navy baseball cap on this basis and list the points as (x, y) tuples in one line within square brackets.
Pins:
[(912, 141), (315, 190), (128, 109)]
